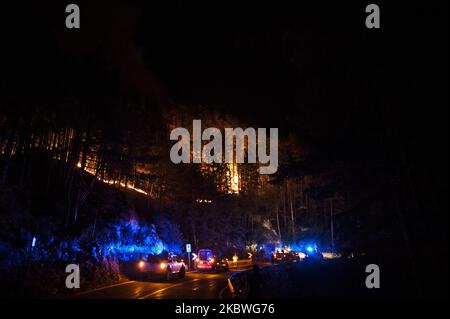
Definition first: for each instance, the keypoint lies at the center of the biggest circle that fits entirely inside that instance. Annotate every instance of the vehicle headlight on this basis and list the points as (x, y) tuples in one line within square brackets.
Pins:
[(141, 264), (162, 265)]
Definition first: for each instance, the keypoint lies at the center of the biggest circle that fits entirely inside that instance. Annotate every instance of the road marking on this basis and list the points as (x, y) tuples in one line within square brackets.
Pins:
[(101, 288), (164, 289)]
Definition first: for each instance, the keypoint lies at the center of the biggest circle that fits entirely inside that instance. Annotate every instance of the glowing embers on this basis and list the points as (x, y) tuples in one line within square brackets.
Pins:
[(233, 178), (206, 201), (113, 182)]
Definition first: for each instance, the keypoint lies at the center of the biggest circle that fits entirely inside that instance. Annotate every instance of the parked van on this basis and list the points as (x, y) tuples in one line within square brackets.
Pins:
[(206, 260)]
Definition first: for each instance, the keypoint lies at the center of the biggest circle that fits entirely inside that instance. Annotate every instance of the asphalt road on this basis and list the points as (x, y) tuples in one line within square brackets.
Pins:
[(193, 286), (308, 279)]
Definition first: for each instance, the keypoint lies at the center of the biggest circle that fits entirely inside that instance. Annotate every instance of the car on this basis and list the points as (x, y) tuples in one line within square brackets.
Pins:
[(207, 261), (221, 264), (163, 266), (285, 256), (278, 257), (292, 256)]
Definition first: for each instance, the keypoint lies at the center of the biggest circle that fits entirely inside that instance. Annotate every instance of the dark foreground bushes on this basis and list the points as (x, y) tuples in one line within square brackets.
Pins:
[(47, 280), (339, 278)]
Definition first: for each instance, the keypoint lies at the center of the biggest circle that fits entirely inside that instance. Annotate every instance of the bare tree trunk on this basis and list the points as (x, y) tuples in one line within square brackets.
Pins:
[(331, 225), (7, 155), (400, 208), (82, 196), (25, 156), (95, 223), (73, 160), (68, 212), (278, 224), (284, 191), (87, 138), (2, 140), (291, 205)]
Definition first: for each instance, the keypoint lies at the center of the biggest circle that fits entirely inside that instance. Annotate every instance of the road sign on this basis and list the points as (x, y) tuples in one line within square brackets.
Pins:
[(188, 250)]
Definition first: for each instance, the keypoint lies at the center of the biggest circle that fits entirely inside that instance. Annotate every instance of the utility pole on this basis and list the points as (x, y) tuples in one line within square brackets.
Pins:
[(331, 225)]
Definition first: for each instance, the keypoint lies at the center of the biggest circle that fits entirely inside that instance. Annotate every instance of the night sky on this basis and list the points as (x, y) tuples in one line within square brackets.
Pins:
[(368, 100), (312, 70), (281, 66), (350, 93)]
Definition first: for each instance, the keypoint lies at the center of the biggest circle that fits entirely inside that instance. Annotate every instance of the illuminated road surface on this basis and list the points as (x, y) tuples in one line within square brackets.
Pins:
[(193, 286)]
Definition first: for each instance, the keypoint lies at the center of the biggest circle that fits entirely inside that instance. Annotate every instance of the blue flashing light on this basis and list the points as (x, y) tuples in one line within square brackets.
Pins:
[(310, 249), (33, 242)]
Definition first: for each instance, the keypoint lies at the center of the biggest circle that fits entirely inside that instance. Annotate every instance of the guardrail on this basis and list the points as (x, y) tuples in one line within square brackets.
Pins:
[(240, 263)]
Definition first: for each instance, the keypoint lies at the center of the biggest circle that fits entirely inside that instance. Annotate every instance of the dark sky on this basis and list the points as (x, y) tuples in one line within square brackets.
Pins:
[(374, 101), (303, 68)]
